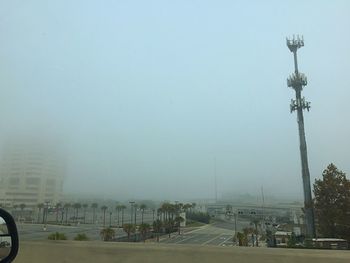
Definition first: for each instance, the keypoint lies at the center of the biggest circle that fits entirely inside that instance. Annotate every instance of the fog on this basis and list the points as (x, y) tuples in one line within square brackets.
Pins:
[(148, 97)]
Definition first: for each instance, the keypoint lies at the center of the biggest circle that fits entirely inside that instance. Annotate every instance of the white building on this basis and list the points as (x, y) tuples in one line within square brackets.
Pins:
[(30, 173)]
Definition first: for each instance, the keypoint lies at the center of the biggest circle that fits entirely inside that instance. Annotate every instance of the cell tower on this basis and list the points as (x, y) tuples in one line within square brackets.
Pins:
[(297, 81)]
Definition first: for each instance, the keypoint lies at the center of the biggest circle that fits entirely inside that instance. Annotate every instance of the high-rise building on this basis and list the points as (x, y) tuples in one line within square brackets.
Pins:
[(31, 172)]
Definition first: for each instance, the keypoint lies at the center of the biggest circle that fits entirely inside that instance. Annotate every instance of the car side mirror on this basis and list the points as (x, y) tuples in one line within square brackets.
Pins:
[(8, 237)]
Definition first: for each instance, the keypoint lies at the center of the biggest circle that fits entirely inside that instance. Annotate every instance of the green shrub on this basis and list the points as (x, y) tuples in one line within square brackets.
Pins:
[(81, 237), (57, 236), (107, 234)]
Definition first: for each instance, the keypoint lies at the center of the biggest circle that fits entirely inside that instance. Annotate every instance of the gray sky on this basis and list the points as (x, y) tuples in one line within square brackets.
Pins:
[(145, 94)]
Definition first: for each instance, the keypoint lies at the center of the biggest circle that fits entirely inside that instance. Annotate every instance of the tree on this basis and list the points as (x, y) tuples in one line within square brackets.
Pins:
[(242, 240), (169, 226), (66, 208), (76, 206), (57, 236), (117, 209), (332, 203), (144, 229), (104, 209), (22, 206), (107, 234), (178, 221), (58, 207), (85, 206), (292, 241), (128, 229), (122, 207), (81, 237), (157, 227), (94, 206), (142, 207), (255, 222), (40, 207)]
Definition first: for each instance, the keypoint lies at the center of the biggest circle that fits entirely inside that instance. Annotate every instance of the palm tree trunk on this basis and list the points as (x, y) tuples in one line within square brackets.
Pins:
[(118, 216), (39, 215), (104, 218), (122, 217)]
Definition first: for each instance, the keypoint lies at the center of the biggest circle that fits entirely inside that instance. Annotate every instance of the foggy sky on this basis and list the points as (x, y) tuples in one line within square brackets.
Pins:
[(144, 95)]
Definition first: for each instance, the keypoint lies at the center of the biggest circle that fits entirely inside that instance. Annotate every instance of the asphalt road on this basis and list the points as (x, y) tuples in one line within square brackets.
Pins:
[(206, 235), (218, 234)]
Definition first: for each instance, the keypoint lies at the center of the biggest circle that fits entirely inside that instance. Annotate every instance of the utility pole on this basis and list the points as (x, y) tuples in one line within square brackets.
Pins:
[(297, 81), (215, 185)]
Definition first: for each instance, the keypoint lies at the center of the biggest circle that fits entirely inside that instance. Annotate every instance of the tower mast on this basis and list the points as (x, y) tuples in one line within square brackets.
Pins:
[(297, 81)]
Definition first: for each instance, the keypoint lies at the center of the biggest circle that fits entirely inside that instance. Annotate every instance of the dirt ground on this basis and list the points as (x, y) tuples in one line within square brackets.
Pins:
[(93, 251)]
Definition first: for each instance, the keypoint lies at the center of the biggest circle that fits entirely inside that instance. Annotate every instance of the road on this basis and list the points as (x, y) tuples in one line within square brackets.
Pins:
[(218, 234), (206, 235)]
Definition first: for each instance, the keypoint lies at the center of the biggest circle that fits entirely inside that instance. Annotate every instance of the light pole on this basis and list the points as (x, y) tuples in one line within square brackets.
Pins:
[(135, 208), (110, 219), (297, 81)]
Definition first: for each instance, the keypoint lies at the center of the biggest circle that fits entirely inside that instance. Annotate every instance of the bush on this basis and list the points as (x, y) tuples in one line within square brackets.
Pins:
[(81, 237), (107, 234), (57, 236)]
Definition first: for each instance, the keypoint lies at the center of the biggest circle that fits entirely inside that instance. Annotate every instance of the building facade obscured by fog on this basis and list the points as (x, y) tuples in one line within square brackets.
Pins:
[(31, 172)]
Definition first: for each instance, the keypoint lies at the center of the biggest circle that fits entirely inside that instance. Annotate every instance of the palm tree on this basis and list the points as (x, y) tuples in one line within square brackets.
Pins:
[(144, 229), (193, 206), (58, 206), (22, 206), (66, 208), (107, 234), (157, 227), (142, 207), (186, 207), (178, 221), (129, 228), (117, 209), (104, 209), (76, 206), (40, 207), (122, 207), (135, 211), (85, 206), (169, 225), (94, 206), (255, 222)]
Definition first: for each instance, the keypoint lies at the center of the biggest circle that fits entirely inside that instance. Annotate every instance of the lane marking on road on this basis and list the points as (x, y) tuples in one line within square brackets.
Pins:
[(182, 240), (223, 242), (210, 240), (195, 230)]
